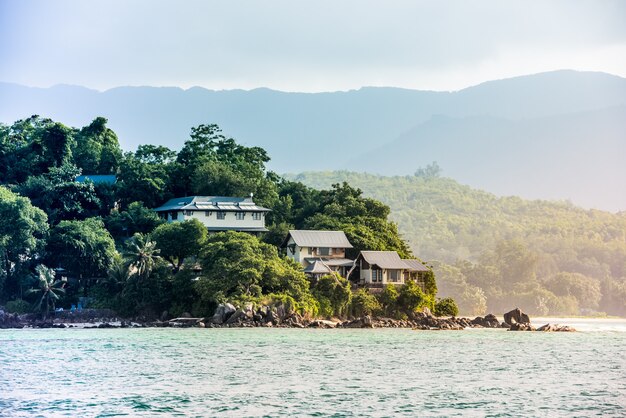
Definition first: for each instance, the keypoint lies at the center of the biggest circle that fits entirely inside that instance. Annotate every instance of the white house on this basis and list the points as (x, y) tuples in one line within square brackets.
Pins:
[(379, 268), (217, 213), (319, 252)]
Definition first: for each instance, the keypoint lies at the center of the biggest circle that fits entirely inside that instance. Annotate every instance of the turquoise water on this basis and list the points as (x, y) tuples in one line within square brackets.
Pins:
[(283, 372)]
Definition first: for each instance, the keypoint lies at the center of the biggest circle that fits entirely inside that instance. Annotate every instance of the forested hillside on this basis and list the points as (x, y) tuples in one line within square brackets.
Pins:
[(493, 252), (65, 241)]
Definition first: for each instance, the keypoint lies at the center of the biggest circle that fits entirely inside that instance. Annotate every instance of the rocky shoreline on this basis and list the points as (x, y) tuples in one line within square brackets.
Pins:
[(228, 316)]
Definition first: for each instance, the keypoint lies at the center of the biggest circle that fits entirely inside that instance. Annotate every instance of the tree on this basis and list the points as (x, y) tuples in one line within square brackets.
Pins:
[(141, 255), (144, 177), (84, 248), (96, 149), (333, 293), (430, 172), (179, 240), (364, 220), (48, 287), (31, 146), (389, 299), (136, 218), (585, 289), (446, 307), (23, 229), (236, 265), (59, 194), (411, 298), (364, 303)]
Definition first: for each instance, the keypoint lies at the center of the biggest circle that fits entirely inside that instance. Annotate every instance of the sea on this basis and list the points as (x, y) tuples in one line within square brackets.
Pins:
[(153, 372)]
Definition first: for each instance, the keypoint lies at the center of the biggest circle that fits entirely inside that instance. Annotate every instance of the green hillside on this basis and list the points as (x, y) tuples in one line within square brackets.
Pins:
[(493, 253)]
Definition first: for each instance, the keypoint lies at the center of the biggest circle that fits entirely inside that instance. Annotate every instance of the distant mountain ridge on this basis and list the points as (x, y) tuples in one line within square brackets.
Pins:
[(384, 130)]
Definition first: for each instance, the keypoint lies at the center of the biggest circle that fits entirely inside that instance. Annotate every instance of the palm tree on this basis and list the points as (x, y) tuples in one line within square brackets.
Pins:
[(141, 254), (49, 287)]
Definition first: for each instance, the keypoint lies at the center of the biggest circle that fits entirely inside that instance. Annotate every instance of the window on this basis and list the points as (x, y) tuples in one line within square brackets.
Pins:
[(256, 216), (207, 213), (240, 215), (174, 215), (310, 250), (221, 215), (188, 213), (394, 275), (324, 251), (377, 275)]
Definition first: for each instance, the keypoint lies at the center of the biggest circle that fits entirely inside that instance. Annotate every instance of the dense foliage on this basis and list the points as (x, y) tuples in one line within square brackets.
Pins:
[(101, 243), (494, 253)]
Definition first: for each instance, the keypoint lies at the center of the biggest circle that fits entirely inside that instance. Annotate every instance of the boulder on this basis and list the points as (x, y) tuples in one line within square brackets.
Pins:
[(556, 328), (249, 310), (237, 316), (222, 313), (321, 323), (516, 316), (522, 327)]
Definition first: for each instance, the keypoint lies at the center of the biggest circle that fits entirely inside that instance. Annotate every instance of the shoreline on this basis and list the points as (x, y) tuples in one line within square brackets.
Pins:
[(420, 322)]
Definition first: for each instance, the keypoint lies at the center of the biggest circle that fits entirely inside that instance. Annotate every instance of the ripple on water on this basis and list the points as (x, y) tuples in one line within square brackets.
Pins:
[(277, 372)]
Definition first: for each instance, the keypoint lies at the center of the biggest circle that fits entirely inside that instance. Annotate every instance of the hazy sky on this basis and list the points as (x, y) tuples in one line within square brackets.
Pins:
[(304, 46)]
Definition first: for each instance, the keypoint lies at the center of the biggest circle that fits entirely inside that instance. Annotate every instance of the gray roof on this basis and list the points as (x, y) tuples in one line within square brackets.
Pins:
[(415, 265), (344, 262), (330, 239), (97, 178), (384, 259), (217, 203), (317, 267)]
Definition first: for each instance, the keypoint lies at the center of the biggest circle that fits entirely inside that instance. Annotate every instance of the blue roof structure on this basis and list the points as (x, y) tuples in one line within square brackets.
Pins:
[(98, 178)]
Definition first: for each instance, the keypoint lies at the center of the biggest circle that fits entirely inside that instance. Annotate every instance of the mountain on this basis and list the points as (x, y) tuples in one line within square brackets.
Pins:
[(342, 130)]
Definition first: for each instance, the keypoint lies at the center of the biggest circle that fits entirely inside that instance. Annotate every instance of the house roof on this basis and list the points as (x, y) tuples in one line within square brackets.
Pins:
[(415, 265), (97, 178), (237, 228), (317, 267), (384, 259), (344, 262), (331, 239), (217, 203)]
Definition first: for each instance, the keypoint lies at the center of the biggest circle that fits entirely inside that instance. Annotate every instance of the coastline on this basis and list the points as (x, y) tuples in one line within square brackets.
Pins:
[(422, 321)]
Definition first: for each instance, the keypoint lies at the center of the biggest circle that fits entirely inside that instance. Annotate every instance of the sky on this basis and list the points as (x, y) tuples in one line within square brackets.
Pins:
[(306, 46)]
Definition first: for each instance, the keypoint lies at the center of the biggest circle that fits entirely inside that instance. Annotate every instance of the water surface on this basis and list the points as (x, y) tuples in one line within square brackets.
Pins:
[(280, 372)]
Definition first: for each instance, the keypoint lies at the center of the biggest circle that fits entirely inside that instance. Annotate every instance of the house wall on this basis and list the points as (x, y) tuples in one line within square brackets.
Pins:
[(366, 276), (298, 254), (229, 220)]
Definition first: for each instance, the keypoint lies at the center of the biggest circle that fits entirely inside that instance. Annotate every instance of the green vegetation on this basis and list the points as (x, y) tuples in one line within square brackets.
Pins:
[(103, 243), (494, 253), (446, 307)]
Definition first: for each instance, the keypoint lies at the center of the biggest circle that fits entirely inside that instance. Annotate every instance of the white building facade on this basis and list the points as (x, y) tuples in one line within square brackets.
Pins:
[(217, 213)]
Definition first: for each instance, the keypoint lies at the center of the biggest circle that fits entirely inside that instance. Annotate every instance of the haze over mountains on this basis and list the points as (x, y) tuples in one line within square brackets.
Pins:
[(556, 135)]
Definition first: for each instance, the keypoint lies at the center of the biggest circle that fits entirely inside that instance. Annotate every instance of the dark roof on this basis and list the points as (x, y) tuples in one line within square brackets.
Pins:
[(217, 203), (330, 239), (97, 178), (384, 259), (415, 265)]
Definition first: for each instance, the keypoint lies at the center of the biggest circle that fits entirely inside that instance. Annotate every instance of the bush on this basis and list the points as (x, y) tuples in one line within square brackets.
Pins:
[(446, 307), (411, 298), (18, 306), (364, 303), (333, 294), (389, 299)]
